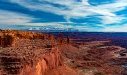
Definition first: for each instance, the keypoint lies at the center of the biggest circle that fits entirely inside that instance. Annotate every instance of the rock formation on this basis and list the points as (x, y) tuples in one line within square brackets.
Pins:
[(30, 53), (26, 53)]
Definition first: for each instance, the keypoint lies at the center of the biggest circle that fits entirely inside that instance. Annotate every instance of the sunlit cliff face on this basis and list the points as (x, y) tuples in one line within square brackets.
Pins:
[(50, 61), (26, 53), (13, 64)]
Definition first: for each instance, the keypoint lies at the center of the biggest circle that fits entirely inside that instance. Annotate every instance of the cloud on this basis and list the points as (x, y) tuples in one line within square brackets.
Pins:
[(122, 28), (112, 19), (8, 17), (79, 14), (77, 9)]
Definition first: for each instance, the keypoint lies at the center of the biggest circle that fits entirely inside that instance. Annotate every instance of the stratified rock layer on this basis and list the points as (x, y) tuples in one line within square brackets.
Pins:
[(28, 53)]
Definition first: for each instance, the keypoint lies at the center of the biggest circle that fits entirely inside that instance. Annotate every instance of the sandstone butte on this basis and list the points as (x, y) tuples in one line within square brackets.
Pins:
[(30, 53)]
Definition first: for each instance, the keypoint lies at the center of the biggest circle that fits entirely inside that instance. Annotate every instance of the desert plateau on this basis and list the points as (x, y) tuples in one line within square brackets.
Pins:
[(35, 53)]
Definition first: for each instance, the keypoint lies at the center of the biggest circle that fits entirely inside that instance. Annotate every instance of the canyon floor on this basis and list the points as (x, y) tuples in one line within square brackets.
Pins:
[(32, 53)]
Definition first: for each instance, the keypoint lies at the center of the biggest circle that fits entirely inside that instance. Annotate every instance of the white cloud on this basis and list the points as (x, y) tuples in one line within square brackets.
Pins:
[(8, 17), (116, 6), (75, 10), (79, 9), (122, 28), (112, 19)]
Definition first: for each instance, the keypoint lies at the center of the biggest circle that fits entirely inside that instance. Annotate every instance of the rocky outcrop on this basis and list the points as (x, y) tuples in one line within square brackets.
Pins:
[(11, 64), (28, 53), (5, 40), (48, 62)]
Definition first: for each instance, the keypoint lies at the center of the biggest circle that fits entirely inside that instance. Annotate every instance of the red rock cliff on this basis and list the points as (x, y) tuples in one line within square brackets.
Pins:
[(28, 53)]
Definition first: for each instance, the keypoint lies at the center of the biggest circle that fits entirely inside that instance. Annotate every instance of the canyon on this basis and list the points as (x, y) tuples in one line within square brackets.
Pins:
[(34, 53)]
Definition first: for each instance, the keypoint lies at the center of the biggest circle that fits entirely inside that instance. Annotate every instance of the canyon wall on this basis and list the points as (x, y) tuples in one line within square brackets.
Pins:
[(25, 53)]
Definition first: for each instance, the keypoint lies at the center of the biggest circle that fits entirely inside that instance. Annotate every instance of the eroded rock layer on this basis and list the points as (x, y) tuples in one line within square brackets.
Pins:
[(28, 53)]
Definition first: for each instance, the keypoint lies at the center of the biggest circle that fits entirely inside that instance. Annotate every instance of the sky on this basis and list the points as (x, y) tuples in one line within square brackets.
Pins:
[(79, 15)]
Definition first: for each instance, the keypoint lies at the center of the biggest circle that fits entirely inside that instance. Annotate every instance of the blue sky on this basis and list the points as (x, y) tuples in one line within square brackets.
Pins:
[(82, 15)]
